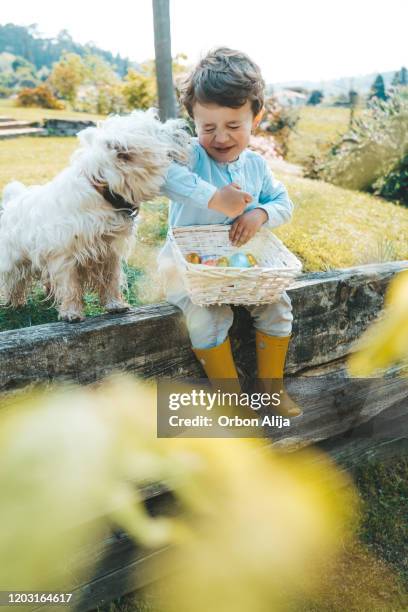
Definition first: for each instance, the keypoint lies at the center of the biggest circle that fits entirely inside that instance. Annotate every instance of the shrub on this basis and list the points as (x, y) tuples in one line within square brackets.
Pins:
[(372, 149), (315, 97), (265, 146), (139, 90), (101, 89), (378, 89), (101, 99), (110, 100), (280, 121), (5, 92), (67, 75), (41, 96), (395, 185)]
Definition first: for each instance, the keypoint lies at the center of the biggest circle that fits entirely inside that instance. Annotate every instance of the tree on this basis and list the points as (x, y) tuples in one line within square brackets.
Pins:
[(378, 89), (64, 37), (21, 62), (139, 90), (400, 78), (67, 75), (315, 97), (29, 43), (99, 72), (25, 78), (162, 46)]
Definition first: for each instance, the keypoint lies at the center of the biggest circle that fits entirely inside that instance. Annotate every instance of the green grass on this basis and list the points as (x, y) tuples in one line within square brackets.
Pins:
[(39, 310), (318, 127), (383, 487), (336, 228), (34, 160), (9, 109)]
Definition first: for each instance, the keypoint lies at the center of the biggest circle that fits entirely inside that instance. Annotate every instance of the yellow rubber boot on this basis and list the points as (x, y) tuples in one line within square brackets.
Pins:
[(218, 364), (271, 356)]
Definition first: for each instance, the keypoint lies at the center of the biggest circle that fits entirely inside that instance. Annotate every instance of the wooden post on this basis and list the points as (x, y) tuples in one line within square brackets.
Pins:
[(162, 46)]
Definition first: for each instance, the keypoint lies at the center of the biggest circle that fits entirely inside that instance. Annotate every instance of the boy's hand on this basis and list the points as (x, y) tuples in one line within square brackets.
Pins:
[(230, 200), (246, 226)]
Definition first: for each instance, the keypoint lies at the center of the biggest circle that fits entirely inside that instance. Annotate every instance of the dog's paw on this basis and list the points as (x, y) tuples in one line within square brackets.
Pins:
[(71, 316), (115, 306)]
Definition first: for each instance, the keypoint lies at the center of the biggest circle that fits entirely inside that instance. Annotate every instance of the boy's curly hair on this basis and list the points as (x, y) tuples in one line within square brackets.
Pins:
[(225, 77)]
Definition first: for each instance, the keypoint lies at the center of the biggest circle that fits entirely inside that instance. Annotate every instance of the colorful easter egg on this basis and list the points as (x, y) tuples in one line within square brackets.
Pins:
[(239, 260), (193, 258), (223, 261), (251, 259), (209, 260)]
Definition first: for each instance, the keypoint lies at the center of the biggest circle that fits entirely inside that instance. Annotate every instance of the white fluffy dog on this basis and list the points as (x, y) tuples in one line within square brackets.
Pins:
[(73, 232)]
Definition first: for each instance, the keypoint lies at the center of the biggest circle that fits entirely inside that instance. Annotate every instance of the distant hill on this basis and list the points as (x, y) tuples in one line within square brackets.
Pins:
[(335, 87), (26, 42)]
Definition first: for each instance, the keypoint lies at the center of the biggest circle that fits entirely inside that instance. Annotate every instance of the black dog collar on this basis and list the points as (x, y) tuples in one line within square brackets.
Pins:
[(117, 201)]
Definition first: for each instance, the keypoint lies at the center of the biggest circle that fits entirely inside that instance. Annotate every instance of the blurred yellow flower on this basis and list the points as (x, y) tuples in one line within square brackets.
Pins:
[(254, 526), (385, 343)]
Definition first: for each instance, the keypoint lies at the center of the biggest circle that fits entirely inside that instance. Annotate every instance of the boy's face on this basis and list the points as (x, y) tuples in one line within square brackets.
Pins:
[(224, 132)]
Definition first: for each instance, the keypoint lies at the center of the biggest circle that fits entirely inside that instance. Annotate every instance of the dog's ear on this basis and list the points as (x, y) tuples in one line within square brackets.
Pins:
[(121, 153), (87, 135)]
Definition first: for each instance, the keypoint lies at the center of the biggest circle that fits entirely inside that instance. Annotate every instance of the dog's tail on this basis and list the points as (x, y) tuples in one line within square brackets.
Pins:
[(12, 190)]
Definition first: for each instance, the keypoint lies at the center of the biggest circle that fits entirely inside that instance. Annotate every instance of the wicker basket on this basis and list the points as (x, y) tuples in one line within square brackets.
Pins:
[(261, 284)]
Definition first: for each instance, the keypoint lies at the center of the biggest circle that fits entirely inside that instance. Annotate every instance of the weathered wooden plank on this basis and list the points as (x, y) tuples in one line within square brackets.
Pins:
[(330, 309), (383, 436), (148, 341), (334, 404)]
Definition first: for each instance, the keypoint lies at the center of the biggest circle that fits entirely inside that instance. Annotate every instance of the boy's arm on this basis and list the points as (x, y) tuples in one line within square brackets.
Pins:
[(184, 186), (274, 200), (274, 208)]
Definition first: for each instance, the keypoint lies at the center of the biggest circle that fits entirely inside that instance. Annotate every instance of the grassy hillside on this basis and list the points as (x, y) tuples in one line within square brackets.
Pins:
[(8, 109), (33, 160), (334, 227), (318, 127)]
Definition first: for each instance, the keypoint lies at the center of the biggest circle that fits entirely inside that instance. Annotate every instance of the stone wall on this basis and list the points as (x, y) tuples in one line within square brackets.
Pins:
[(66, 127)]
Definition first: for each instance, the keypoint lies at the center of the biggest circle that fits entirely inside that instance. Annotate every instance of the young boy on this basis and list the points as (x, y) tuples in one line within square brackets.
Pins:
[(227, 183)]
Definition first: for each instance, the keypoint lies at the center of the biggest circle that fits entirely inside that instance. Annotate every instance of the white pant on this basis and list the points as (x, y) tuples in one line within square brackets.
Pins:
[(208, 326)]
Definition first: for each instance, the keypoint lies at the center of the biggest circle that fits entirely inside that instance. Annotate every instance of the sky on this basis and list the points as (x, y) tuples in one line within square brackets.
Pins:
[(290, 39)]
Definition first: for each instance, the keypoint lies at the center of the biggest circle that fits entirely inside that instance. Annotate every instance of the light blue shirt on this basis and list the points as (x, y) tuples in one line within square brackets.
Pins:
[(190, 188)]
